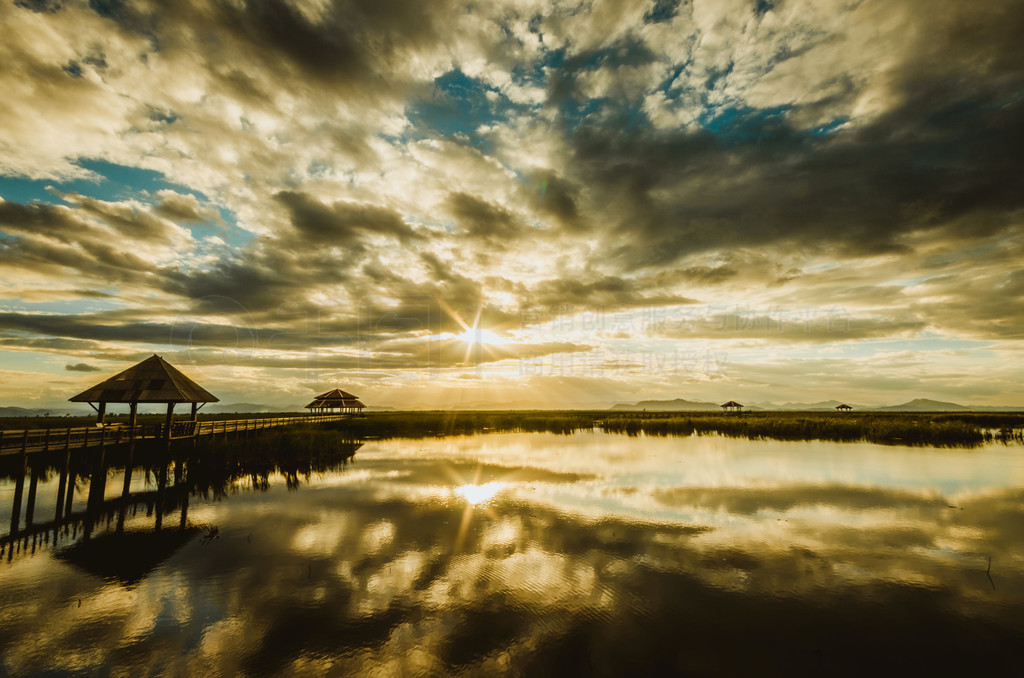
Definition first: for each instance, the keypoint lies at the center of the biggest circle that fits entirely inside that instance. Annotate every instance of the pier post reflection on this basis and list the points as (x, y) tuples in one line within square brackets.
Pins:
[(19, 489), (103, 529), (69, 501), (62, 485), (33, 486)]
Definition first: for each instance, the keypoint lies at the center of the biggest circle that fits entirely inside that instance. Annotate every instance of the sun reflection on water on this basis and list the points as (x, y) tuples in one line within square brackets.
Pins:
[(479, 494)]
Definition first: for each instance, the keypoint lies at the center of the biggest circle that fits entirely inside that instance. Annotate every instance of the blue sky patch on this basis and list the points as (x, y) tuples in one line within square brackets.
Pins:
[(457, 104), (117, 182)]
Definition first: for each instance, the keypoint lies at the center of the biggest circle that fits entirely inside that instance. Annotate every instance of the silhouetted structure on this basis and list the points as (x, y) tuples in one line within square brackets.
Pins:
[(337, 399), (153, 380), (843, 408), (732, 407), (127, 556)]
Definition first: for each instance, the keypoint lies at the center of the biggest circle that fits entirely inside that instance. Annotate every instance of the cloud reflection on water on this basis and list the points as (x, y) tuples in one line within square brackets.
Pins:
[(599, 553)]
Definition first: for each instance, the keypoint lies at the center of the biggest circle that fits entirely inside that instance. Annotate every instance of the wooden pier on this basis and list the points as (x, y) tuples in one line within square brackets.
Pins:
[(30, 441)]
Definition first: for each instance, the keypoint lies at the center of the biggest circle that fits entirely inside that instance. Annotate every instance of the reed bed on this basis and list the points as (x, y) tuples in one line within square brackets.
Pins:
[(844, 428), (889, 428), (437, 424)]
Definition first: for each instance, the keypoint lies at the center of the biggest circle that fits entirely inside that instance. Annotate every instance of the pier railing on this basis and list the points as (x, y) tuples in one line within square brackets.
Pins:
[(29, 441)]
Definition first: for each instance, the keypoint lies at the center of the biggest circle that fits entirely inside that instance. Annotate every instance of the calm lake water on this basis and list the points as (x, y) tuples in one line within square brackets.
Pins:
[(542, 554)]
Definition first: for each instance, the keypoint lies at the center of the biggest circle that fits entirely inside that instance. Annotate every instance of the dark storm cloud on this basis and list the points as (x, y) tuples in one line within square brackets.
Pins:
[(183, 208), (557, 197), (293, 345), (803, 325), (342, 222), (345, 43), (82, 367), (861, 191), (17, 340), (102, 327), (482, 219), (947, 149), (606, 292), (80, 236), (49, 6), (449, 352), (98, 260), (49, 220)]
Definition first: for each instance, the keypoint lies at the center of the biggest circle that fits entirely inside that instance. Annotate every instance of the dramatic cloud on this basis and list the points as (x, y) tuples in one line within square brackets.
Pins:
[(81, 367), (765, 183)]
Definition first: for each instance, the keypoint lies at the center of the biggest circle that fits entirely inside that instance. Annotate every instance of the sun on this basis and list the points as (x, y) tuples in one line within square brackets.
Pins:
[(475, 335)]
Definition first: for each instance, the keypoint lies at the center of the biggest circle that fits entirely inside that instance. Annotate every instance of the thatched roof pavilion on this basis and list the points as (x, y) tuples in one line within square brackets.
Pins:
[(843, 408), (154, 380), (732, 406), (336, 400)]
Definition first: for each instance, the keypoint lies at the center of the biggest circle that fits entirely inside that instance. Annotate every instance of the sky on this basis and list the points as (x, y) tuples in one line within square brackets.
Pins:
[(522, 204)]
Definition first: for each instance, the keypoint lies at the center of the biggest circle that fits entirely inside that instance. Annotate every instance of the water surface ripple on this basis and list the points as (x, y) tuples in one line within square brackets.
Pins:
[(539, 554)]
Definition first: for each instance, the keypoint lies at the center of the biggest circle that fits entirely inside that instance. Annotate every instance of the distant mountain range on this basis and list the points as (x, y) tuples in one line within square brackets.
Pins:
[(42, 411), (221, 408), (676, 405), (916, 405)]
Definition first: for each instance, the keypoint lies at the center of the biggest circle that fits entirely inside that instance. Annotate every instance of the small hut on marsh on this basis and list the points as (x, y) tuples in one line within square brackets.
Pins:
[(344, 403), (843, 408), (154, 380), (732, 407)]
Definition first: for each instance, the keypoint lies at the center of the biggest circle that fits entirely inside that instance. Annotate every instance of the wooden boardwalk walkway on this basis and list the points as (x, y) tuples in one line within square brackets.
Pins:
[(30, 441)]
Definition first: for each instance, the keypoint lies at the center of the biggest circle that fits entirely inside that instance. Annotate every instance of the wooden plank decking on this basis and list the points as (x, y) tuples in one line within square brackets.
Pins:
[(30, 441)]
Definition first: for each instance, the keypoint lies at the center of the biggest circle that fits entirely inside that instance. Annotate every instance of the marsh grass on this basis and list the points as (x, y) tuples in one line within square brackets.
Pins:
[(942, 429), (844, 428), (431, 424), (889, 428)]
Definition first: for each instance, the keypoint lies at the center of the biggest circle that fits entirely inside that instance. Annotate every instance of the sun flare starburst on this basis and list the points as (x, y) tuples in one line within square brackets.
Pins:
[(475, 335)]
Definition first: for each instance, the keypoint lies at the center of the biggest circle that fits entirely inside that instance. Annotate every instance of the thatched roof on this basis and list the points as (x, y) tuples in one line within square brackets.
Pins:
[(153, 380), (335, 399), (731, 403), (336, 394), (345, 404), (844, 406)]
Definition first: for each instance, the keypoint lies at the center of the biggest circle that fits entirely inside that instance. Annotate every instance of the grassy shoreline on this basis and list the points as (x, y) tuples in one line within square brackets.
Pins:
[(938, 429), (941, 429)]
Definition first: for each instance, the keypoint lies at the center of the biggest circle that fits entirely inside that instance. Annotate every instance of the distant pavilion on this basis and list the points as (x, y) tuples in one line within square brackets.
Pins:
[(345, 403), (843, 408), (154, 380), (732, 407)]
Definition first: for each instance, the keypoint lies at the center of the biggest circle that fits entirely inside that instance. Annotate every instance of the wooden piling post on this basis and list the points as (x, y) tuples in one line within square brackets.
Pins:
[(168, 420)]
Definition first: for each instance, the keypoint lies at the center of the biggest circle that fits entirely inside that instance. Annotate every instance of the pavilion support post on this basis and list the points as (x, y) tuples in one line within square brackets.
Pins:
[(195, 412), (101, 412), (133, 415), (167, 421)]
